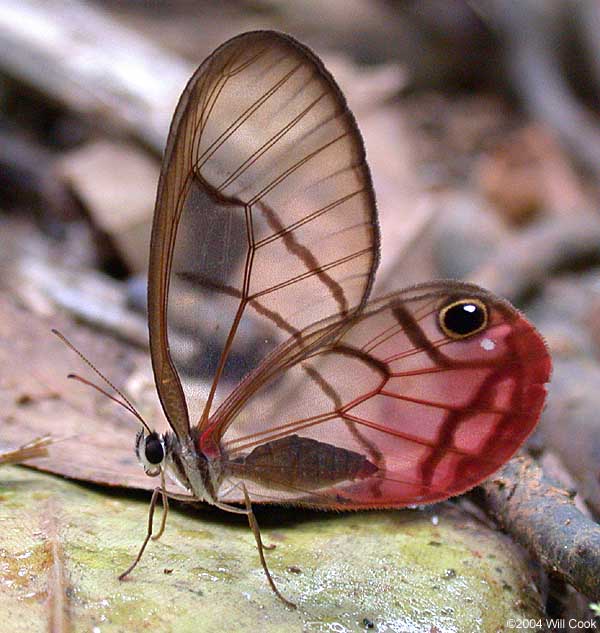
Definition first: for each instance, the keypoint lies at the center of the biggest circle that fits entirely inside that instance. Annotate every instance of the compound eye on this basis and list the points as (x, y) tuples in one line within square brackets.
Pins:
[(463, 318), (154, 451)]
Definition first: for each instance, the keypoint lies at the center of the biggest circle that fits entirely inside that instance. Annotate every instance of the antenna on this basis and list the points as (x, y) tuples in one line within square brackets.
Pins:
[(125, 402)]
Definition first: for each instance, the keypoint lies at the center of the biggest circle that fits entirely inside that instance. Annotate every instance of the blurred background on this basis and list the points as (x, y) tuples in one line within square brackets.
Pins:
[(481, 121)]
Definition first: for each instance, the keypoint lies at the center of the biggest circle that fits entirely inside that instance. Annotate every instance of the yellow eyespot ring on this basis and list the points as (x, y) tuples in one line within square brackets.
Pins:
[(457, 323)]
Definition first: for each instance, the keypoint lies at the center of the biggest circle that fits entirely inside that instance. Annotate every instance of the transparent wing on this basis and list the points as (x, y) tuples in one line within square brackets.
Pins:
[(265, 219), (390, 412)]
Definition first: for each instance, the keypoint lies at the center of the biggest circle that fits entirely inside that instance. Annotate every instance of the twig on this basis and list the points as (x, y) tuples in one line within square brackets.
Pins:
[(57, 604), (131, 84), (543, 518), (35, 448)]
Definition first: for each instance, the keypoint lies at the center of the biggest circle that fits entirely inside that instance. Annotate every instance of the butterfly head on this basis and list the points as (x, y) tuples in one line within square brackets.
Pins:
[(151, 451)]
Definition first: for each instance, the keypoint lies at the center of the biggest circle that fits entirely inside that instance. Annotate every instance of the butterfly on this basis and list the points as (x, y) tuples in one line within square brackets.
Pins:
[(265, 241)]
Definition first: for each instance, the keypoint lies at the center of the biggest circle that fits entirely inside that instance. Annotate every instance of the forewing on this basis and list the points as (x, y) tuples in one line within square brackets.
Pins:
[(429, 416), (265, 218)]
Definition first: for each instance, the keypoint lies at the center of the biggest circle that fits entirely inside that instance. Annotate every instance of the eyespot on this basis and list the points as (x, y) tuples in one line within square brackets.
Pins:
[(463, 318), (154, 450)]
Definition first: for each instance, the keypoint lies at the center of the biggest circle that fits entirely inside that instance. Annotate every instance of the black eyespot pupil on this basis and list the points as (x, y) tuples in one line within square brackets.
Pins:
[(154, 450), (463, 318)]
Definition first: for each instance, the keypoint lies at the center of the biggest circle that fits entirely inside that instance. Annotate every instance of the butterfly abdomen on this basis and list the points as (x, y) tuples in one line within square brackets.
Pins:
[(302, 462)]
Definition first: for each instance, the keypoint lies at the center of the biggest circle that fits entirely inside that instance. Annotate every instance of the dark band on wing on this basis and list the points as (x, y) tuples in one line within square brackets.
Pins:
[(445, 436), (305, 255), (416, 335), (206, 282), (375, 454)]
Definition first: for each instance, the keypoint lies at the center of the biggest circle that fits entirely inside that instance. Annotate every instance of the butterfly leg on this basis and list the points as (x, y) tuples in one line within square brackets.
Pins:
[(165, 504), (153, 502), (229, 491), (259, 544)]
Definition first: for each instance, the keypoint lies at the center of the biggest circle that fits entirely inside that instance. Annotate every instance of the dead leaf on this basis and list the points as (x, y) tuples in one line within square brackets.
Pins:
[(37, 399)]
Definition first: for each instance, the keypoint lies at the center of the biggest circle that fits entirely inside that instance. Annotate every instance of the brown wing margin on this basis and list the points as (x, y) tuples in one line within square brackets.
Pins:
[(262, 137)]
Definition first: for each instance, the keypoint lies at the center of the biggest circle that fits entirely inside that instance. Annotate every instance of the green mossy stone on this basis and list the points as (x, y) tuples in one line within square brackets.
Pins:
[(63, 545)]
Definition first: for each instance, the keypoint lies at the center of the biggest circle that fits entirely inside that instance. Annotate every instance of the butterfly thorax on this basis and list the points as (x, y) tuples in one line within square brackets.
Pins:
[(190, 468)]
